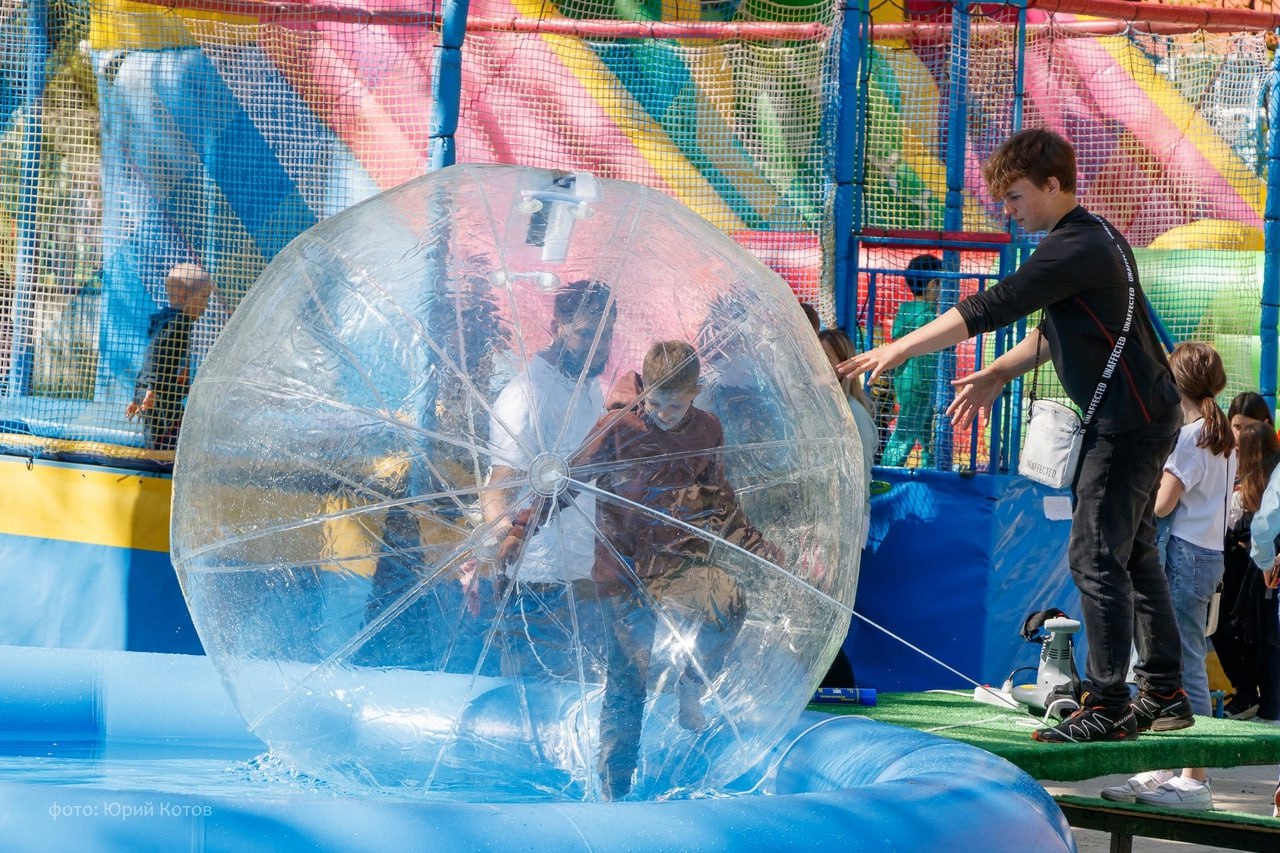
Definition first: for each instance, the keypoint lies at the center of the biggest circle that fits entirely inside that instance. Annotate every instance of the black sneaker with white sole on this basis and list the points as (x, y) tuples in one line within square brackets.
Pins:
[(1162, 713), (1090, 724)]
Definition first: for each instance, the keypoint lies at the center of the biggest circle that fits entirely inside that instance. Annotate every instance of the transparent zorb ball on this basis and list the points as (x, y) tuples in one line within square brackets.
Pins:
[(398, 482)]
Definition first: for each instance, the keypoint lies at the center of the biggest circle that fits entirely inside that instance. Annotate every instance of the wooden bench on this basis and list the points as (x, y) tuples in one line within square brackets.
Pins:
[(1229, 830)]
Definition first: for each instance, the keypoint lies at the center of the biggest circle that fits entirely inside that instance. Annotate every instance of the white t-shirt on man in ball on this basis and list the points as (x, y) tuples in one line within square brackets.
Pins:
[(542, 410)]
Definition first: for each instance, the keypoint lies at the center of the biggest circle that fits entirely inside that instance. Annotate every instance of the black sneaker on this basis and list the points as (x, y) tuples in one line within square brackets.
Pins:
[(1090, 723), (1162, 713)]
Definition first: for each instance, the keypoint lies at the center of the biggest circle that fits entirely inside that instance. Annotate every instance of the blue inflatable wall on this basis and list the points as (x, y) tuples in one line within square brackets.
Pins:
[(953, 566), (84, 560)]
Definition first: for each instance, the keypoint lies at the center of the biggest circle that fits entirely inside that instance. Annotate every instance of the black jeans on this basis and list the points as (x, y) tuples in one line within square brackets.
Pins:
[(1124, 593)]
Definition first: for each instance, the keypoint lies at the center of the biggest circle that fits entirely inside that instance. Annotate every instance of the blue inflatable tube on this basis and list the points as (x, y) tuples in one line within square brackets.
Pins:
[(840, 782)]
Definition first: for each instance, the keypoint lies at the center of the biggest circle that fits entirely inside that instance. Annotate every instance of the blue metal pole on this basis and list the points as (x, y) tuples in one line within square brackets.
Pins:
[(26, 267), (1012, 394), (847, 175), (1161, 329), (1011, 399), (1019, 69), (1000, 344), (957, 115), (447, 98), (1271, 240), (953, 215)]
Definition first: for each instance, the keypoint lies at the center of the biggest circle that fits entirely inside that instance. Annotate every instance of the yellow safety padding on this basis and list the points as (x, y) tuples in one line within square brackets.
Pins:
[(80, 504)]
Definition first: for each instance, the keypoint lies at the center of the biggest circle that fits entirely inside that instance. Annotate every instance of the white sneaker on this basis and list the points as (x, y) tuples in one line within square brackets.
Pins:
[(1139, 784), (1179, 793)]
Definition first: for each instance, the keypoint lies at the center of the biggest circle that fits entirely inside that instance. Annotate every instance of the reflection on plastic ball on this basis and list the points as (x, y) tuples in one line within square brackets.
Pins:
[(438, 535)]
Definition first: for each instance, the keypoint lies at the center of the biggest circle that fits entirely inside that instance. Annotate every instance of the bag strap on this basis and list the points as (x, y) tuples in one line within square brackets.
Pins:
[(1035, 371), (1114, 358)]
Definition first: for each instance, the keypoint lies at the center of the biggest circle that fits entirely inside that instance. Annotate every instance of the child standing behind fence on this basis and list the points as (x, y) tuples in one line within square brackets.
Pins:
[(162, 384), (913, 381)]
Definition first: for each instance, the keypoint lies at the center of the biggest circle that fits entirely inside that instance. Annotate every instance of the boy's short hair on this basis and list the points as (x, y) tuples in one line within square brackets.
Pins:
[(671, 366), (186, 279), (1036, 154), (581, 299), (921, 271)]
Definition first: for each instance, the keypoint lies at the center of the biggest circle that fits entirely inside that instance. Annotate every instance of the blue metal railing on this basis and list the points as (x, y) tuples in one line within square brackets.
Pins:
[(866, 315)]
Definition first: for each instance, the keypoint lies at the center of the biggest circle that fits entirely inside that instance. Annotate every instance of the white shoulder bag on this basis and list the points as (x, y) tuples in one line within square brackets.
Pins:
[(1053, 432), (1051, 451)]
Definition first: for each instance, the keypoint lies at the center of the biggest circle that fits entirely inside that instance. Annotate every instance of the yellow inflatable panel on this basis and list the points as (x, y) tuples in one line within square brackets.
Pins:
[(1211, 234), (126, 25), (82, 504)]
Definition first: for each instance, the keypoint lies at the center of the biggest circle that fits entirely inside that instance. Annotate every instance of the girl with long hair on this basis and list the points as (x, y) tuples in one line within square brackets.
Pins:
[(1260, 496), (839, 347), (1239, 639), (1195, 492)]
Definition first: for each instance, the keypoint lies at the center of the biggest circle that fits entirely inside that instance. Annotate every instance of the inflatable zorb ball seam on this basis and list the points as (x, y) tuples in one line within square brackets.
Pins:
[(437, 536)]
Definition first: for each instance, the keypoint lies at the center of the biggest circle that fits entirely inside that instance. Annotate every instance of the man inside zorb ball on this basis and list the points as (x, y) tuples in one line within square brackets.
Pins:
[(544, 493)]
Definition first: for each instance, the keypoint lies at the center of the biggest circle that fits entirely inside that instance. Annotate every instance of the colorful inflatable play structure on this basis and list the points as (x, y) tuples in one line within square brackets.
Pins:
[(177, 174)]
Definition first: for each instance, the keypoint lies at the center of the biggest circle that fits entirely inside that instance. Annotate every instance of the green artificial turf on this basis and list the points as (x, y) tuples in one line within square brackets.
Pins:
[(1209, 743)]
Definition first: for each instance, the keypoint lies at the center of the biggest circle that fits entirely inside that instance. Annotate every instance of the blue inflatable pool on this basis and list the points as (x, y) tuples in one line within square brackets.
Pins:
[(131, 751)]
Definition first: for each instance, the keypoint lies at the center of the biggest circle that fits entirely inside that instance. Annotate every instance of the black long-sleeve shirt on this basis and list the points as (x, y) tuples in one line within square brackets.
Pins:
[(1079, 274)]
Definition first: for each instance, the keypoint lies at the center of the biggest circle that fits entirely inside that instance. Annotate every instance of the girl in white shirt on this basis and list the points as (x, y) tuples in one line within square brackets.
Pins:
[(1195, 490)]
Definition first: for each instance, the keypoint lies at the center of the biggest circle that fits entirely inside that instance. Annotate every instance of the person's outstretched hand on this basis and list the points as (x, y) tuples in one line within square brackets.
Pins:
[(876, 361), (975, 393), (147, 403)]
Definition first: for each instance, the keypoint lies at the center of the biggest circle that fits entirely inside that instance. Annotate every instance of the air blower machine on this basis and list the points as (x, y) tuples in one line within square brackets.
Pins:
[(1056, 690)]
